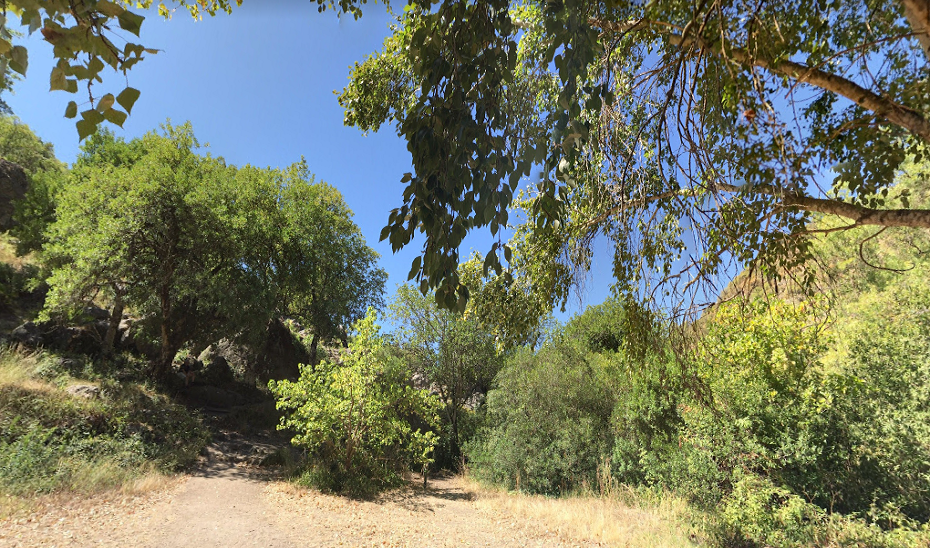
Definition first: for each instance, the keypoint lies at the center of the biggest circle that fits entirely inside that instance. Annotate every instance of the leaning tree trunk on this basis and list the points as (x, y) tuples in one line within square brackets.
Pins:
[(314, 345)]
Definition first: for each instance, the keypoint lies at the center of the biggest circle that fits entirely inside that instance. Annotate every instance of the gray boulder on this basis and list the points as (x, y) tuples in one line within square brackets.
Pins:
[(96, 313), (216, 369), (13, 187), (86, 391), (28, 334)]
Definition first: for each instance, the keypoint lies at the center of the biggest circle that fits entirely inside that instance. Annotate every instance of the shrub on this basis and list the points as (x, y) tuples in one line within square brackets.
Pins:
[(357, 418), (547, 421)]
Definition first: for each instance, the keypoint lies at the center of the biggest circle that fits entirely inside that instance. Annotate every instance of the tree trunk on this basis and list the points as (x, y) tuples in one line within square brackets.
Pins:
[(168, 347), (116, 316), (314, 344)]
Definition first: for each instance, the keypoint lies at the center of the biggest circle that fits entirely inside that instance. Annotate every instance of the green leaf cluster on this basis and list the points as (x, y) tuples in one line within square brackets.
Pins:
[(45, 174), (360, 417)]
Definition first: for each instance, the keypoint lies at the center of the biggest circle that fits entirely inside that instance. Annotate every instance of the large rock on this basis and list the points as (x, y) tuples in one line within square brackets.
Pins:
[(13, 187), (216, 369), (86, 391), (28, 334), (281, 355), (95, 313), (132, 337)]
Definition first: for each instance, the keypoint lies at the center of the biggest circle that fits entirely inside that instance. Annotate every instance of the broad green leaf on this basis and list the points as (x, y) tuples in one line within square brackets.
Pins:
[(130, 22), (414, 268), (92, 115), (110, 9), (19, 59), (106, 102), (57, 80), (71, 110), (85, 128), (127, 98), (5, 46), (115, 116)]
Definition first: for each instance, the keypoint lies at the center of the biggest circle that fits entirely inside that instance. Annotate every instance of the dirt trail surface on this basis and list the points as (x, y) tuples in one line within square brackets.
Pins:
[(229, 502)]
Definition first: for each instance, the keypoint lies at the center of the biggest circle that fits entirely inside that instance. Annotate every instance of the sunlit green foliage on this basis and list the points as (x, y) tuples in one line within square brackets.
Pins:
[(53, 441), (32, 214), (360, 417), (451, 354), (203, 250)]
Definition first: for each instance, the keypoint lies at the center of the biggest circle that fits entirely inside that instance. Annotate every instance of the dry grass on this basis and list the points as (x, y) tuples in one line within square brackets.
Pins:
[(102, 471), (17, 368), (624, 520), (8, 253)]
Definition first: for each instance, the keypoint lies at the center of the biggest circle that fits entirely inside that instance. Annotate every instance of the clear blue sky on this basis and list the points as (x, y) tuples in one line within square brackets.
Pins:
[(258, 86)]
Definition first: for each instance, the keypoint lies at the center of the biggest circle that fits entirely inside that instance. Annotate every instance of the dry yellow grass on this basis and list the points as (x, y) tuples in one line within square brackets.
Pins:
[(8, 253), (88, 477), (607, 520), (17, 368)]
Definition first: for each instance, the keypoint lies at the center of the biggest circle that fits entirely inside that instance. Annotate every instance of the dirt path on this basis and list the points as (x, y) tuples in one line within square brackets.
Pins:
[(220, 505), (229, 503)]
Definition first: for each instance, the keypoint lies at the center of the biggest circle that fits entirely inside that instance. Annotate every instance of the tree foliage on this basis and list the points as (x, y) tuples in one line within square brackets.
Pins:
[(152, 233), (299, 237), (696, 137), (449, 353), (356, 417), (204, 250), (33, 213)]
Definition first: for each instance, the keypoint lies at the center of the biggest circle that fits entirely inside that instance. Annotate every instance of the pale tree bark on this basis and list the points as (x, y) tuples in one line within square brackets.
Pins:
[(917, 13), (860, 215)]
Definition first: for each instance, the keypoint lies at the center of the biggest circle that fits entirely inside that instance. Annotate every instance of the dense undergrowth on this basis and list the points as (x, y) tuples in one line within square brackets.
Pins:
[(794, 421), (51, 440)]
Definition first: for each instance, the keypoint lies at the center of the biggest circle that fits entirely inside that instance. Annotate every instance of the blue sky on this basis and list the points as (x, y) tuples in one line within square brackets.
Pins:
[(258, 86)]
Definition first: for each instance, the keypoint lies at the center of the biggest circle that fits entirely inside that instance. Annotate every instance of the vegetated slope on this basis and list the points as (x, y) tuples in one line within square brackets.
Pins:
[(59, 432), (797, 420)]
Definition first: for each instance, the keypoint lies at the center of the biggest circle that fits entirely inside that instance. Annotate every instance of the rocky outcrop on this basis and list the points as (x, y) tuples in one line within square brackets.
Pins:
[(281, 354), (216, 369), (13, 187), (86, 391), (82, 339)]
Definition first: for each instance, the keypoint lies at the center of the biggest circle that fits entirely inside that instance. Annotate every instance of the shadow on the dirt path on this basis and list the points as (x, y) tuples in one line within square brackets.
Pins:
[(415, 498)]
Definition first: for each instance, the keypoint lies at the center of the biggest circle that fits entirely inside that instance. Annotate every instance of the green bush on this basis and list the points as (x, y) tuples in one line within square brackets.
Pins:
[(361, 420), (547, 421)]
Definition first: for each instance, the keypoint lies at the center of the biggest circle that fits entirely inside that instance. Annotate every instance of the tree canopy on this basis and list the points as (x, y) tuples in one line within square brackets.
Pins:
[(205, 250), (694, 136)]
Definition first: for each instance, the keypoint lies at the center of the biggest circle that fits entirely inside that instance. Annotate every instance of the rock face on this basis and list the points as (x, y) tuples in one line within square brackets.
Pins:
[(216, 369), (281, 354), (27, 334), (83, 339), (13, 186)]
